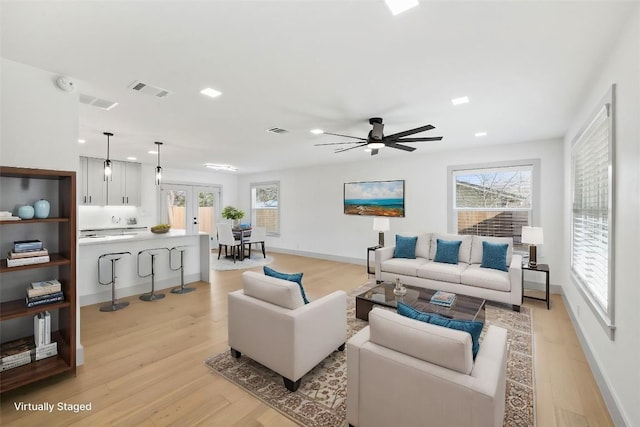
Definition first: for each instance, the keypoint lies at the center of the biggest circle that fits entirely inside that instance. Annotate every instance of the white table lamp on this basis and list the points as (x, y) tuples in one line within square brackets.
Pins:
[(532, 236), (381, 225)]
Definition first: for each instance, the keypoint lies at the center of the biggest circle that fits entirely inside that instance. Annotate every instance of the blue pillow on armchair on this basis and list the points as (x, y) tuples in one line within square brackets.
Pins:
[(405, 247), (296, 278)]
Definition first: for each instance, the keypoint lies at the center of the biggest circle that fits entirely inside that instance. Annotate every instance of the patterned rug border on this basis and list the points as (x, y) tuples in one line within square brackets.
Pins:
[(313, 412)]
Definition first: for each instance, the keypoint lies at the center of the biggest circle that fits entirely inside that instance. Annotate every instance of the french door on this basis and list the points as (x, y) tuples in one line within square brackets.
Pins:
[(189, 207)]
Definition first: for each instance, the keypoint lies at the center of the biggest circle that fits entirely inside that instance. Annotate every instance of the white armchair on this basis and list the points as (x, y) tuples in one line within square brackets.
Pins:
[(404, 372), (269, 322)]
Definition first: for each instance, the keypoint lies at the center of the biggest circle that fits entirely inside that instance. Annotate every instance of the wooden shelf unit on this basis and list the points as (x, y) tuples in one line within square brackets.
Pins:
[(63, 262)]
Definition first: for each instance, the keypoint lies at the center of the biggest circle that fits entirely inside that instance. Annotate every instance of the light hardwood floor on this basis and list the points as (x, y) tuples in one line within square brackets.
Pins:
[(144, 364)]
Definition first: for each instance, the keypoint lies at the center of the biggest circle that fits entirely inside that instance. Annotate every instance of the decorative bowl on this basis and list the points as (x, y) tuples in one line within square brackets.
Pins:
[(160, 230)]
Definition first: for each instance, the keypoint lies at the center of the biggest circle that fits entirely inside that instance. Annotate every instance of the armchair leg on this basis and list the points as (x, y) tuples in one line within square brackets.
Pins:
[(516, 308), (341, 348), (219, 250), (291, 385), (235, 353)]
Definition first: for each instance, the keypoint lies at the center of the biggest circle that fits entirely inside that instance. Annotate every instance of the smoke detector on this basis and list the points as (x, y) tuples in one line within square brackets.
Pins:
[(65, 83)]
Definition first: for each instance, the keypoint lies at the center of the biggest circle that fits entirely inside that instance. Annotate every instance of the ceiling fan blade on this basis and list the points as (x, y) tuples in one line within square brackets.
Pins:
[(409, 132), (432, 138), (346, 136), (350, 148), (337, 143), (401, 147), (374, 151)]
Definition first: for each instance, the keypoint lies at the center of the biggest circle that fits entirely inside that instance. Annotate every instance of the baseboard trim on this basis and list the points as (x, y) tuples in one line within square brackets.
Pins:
[(609, 400), (318, 255)]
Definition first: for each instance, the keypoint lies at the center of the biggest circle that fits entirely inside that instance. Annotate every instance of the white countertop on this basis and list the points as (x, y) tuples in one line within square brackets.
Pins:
[(130, 237)]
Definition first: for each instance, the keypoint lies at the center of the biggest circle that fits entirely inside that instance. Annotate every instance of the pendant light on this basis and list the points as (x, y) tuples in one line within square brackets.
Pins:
[(107, 163), (158, 168)]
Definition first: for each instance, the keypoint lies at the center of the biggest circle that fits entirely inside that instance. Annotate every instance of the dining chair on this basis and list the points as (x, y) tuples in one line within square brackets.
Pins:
[(226, 239), (258, 235)]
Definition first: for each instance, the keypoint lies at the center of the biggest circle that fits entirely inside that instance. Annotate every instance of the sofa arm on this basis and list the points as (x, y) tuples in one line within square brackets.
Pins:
[(515, 278), (383, 254), (490, 373), (353, 374), (320, 327)]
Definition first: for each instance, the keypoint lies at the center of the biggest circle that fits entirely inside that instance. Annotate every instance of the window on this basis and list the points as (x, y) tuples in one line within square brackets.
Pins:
[(265, 206), (592, 212), (492, 200)]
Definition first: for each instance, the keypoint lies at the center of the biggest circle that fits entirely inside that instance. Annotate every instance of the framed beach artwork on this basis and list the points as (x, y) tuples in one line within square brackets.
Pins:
[(374, 198)]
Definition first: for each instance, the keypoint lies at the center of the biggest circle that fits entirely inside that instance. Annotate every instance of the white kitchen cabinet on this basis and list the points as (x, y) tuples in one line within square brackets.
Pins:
[(93, 187), (123, 189)]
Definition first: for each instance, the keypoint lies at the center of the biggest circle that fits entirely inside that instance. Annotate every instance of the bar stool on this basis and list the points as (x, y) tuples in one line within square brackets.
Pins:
[(151, 296), (181, 289), (113, 257)]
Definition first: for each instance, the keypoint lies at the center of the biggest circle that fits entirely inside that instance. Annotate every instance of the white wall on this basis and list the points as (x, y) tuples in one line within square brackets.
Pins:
[(39, 126), (616, 361), (312, 199)]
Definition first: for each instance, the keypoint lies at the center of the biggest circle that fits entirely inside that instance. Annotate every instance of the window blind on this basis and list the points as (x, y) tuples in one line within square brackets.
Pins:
[(590, 234)]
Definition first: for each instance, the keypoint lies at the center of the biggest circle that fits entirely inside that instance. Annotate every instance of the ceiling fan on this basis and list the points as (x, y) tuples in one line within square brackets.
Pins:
[(377, 140)]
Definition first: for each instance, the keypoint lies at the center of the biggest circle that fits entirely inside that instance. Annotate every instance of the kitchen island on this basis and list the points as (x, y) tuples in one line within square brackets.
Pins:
[(93, 245)]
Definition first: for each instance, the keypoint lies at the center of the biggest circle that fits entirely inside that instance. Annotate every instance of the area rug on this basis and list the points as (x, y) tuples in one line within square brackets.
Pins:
[(224, 264), (321, 399)]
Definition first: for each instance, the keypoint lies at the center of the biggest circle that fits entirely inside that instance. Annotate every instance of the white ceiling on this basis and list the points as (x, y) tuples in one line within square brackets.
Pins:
[(309, 64)]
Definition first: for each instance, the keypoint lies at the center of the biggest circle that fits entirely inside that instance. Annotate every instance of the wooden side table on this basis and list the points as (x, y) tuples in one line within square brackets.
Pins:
[(369, 250), (542, 268)]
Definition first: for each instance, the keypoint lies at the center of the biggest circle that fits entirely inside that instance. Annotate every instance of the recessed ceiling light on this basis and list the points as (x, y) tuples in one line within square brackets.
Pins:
[(317, 131), (152, 152), (221, 167), (480, 134), (211, 92), (82, 141), (398, 6), (131, 158), (368, 150), (461, 100)]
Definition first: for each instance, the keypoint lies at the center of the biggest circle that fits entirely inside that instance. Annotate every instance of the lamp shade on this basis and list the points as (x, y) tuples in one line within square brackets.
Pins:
[(381, 224), (532, 235)]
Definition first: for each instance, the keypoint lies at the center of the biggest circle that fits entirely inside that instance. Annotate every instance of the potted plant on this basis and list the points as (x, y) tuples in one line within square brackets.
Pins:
[(229, 212)]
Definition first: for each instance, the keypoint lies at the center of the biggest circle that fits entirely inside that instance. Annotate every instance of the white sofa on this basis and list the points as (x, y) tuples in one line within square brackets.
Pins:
[(466, 277), (270, 323), (403, 372)]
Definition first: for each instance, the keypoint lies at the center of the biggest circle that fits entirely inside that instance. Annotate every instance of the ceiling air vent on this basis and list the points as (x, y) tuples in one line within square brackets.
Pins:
[(97, 102), (148, 89), (277, 130)]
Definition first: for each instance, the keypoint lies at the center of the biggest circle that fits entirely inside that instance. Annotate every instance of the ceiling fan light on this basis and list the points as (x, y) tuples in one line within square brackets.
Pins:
[(375, 145), (317, 131)]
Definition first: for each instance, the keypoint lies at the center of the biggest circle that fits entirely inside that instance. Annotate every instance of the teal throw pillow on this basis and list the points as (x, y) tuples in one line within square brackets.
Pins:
[(405, 247), (296, 277), (447, 251), (473, 328), (494, 255)]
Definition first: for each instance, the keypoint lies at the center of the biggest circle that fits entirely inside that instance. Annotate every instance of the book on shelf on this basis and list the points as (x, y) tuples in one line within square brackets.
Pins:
[(47, 328), (28, 254), (10, 365), (16, 349), (42, 352), (10, 218), (27, 261), (43, 288), (38, 329), (442, 298), (43, 297), (27, 245), (50, 300)]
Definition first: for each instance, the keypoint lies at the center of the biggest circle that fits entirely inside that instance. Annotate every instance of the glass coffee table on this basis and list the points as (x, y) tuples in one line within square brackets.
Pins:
[(463, 308)]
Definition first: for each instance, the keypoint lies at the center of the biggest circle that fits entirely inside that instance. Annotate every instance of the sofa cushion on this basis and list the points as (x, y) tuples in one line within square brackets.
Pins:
[(465, 247), (447, 251), (276, 291), (441, 271), (487, 278), (405, 247), (404, 266), (448, 348), (494, 255), (294, 277), (476, 247)]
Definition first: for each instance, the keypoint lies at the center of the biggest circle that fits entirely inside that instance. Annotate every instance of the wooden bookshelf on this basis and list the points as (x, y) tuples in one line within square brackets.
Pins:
[(62, 225)]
